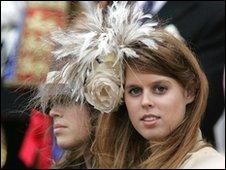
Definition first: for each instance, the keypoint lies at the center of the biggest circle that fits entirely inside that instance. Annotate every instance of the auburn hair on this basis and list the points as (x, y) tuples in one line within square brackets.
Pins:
[(118, 145)]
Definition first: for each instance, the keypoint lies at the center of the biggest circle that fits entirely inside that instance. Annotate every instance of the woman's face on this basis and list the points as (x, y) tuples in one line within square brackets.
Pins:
[(70, 125), (156, 104)]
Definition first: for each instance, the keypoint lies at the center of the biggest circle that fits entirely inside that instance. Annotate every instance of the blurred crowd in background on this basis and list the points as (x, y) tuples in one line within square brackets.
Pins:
[(26, 59)]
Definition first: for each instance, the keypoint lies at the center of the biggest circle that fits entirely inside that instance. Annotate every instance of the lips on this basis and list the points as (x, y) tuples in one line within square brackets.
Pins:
[(149, 117), (59, 129), (56, 126), (150, 120)]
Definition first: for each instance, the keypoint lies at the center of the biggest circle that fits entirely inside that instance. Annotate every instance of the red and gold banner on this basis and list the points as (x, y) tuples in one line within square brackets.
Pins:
[(34, 55)]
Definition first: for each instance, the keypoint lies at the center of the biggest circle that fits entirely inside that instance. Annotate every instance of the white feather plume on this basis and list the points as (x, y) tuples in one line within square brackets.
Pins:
[(98, 35)]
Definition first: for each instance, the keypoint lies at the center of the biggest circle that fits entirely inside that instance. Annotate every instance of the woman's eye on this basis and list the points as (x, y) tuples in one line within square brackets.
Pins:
[(159, 89), (135, 91)]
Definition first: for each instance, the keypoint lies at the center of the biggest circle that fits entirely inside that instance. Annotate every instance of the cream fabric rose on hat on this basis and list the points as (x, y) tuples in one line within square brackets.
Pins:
[(103, 87)]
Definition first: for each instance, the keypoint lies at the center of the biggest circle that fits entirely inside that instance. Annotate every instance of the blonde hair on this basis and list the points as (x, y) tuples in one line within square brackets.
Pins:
[(49, 95), (118, 145)]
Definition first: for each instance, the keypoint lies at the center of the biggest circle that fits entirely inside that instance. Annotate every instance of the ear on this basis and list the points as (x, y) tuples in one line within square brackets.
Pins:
[(189, 96)]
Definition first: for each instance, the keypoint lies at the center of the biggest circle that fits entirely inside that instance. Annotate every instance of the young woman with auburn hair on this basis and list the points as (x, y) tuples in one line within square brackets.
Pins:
[(158, 125)]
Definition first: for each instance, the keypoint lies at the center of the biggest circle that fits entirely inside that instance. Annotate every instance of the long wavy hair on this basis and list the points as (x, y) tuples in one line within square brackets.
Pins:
[(118, 145)]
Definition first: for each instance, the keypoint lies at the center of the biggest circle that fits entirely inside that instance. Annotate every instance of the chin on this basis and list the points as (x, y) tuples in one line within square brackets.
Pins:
[(64, 144), (153, 137), (156, 133)]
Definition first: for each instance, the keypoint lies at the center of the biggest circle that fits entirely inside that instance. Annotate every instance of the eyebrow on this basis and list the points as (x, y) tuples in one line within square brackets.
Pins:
[(128, 86)]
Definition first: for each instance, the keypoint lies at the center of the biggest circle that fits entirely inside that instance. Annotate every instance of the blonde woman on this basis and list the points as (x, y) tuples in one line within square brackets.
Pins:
[(148, 86), (73, 124)]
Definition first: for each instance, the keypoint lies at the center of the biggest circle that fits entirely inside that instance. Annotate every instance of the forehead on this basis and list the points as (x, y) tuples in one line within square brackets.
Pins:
[(134, 77)]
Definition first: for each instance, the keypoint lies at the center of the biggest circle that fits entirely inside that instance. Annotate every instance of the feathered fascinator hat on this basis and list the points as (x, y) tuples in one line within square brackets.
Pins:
[(97, 46)]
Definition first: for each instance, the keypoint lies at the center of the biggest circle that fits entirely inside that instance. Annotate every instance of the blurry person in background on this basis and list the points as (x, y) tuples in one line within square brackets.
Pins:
[(12, 18)]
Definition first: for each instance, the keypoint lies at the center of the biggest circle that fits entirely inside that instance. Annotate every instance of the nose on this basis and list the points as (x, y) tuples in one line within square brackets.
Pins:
[(146, 100), (54, 112)]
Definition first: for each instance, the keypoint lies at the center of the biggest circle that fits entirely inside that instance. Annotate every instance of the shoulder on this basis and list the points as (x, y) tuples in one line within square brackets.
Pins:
[(205, 158)]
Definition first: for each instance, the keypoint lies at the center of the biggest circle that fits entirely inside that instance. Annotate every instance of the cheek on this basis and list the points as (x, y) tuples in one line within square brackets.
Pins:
[(131, 102), (80, 126), (80, 133), (66, 139), (73, 136), (133, 112), (173, 104), (132, 106), (173, 109), (173, 113)]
